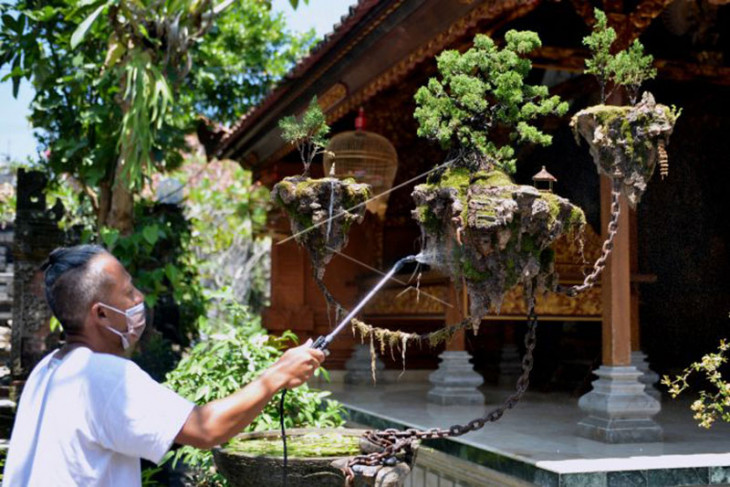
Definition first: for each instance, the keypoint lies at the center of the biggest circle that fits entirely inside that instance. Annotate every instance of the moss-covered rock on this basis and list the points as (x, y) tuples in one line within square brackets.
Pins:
[(321, 212), (493, 234), (624, 140)]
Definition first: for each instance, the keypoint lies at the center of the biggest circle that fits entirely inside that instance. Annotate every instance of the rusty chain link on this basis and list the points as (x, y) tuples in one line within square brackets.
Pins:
[(391, 441), (600, 264)]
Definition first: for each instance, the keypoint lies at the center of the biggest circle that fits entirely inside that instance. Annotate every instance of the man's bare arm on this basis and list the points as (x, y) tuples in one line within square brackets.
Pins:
[(220, 420)]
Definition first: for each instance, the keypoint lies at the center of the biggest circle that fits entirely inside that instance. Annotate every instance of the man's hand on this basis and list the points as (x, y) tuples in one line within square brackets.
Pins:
[(297, 365)]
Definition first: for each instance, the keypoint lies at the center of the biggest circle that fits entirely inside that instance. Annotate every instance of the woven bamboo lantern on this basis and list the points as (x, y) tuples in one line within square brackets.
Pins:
[(366, 157)]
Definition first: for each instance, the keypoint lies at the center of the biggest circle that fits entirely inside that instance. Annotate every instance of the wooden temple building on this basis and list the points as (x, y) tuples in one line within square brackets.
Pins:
[(665, 291)]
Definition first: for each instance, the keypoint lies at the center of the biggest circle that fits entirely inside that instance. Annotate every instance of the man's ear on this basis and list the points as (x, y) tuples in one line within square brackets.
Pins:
[(98, 312)]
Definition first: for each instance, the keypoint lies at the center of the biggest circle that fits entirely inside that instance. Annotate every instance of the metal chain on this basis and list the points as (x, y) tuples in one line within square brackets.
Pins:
[(600, 264), (392, 441)]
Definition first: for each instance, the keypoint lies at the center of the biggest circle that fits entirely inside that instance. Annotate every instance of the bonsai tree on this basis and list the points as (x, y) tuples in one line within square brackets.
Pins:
[(480, 92), (321, 211), (482, 228), (309, 134), (625, 141), (628, 68)]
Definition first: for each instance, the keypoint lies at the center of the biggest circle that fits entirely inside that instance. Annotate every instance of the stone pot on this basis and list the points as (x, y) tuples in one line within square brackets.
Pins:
[(245, 470)]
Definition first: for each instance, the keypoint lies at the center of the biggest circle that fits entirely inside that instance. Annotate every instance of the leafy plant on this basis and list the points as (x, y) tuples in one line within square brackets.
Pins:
[(628, 68), (711, 405), (480, 92), (234, 351), (113, 95), (308, 134)]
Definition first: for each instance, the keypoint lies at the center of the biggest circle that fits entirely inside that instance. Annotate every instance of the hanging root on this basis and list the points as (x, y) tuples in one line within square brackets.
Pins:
[(392, 340), (331, 301), (372, 357)]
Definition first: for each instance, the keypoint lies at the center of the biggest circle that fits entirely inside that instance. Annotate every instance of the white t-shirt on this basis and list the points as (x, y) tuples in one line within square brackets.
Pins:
[(87, 419)]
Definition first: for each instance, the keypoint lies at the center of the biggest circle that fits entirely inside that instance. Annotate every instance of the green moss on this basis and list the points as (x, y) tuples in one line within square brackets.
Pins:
[(472, 273), (553, 205), (305, 446), (606, 114), (529, 245), (492, 178), (425, 217), (577, 218), (511, 273)]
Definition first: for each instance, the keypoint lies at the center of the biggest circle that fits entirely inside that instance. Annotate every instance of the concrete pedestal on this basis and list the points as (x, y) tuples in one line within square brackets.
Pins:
[(455, 382), (648, 377), (619, 411), (358, 367)]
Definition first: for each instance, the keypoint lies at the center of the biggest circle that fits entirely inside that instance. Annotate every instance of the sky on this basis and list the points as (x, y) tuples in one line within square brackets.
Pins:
[(16, 135)]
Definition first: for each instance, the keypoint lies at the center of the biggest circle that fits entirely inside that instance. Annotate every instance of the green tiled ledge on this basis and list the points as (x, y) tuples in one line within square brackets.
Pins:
[(672, 477)]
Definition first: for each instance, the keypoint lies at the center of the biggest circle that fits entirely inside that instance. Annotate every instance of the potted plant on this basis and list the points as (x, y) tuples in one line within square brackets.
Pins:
[(484, 229), (626, 142), (318, 457), (320, 211), (235, 350)]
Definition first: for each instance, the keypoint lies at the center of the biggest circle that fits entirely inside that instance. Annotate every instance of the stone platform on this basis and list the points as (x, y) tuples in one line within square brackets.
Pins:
[(536, 442)]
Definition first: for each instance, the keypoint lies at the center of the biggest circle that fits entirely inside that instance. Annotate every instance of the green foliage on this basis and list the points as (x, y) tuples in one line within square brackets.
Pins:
[(309, 134), (599, 42), (629, 68), (111, 78), (481, 91), (235, 351), (244, 54), (161, 262), (711, 405)]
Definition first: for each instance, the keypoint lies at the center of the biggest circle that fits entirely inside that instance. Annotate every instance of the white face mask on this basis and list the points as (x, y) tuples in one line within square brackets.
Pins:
[(135, 323)]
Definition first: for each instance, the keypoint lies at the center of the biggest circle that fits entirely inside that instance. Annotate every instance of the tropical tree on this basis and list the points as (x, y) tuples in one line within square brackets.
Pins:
[(120, 82)]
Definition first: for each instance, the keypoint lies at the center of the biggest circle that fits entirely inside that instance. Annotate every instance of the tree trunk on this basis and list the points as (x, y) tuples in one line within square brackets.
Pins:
[(121, 211), (105, 203)]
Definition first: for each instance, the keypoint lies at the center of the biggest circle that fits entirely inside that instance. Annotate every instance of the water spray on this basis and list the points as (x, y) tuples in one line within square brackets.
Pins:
[(323, 341)]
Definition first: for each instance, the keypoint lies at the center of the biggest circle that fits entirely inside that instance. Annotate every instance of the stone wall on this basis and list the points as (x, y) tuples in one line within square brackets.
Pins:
[(36, 235)]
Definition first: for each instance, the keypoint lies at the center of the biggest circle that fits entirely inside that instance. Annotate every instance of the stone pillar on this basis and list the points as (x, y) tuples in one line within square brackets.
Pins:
[(36, 235), (619, 411), (455, 382)]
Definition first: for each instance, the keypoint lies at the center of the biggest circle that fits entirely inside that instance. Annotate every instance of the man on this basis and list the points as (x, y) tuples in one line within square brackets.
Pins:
[(87, 414)]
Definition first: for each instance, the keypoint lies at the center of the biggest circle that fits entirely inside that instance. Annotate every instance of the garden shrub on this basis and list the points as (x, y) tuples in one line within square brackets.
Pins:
[(235, 350)]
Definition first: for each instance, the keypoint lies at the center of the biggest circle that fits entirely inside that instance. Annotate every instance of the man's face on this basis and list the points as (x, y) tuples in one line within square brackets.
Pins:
[(120, 294)]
